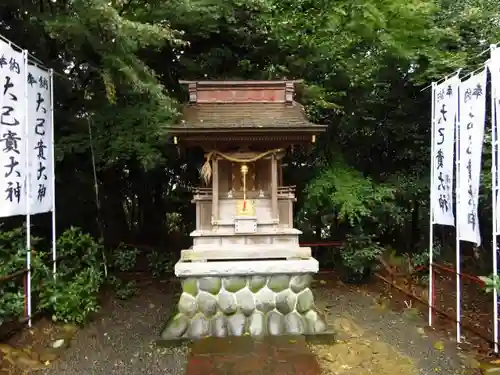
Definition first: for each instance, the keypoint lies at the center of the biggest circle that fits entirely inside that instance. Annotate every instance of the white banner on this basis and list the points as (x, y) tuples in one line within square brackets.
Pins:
[(494, 67), (445, 106), (471, 134), (12, 132), (40, 129)]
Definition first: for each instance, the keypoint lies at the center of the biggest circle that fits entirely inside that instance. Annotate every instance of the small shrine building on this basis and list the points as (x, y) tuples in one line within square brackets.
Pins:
[(245, 273)]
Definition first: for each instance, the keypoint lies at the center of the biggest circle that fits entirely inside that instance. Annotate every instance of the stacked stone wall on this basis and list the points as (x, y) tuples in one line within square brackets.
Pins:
[(245, 305)]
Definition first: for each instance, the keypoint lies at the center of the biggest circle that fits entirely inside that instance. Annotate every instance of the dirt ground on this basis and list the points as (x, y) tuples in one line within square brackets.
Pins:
[(374, 337)]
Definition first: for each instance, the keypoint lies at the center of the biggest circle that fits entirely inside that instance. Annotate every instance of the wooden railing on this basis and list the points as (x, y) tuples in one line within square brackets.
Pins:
[(283, 192), (286, 191), (203, 192)]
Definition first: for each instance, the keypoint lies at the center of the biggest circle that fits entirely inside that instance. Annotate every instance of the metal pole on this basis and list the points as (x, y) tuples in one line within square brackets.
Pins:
[(431, 208), (494, 188), (53, 167), (458, 214), (27, 180)]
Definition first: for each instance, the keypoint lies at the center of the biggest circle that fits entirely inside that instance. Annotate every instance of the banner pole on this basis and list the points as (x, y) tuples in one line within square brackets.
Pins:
[(27, 180), (494, 192), (431, 209)]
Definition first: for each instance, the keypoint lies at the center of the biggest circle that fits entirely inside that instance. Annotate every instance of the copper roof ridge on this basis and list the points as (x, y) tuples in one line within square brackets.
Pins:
[(239, 82)]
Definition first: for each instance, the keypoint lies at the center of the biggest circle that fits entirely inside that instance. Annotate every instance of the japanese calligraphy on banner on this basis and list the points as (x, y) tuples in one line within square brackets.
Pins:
[(445, 97), (40, 129), (471, 134), (494, 67), (13, 200)]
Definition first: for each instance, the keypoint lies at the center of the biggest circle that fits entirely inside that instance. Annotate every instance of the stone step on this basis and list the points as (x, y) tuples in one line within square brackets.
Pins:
[(245, 252), (283, 236)]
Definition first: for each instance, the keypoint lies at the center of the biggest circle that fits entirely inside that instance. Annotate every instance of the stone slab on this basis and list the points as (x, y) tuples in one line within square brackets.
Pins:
[(280, 231), (245, 355), (248, 252), (251, 267)]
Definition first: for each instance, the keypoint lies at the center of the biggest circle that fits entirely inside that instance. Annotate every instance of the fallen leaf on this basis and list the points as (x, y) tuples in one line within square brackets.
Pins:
[(495, 362), (438, 345), (323, 282), (58, 343), (292, 341)]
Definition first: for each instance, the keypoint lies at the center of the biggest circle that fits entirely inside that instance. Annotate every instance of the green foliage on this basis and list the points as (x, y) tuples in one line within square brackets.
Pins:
[(124, 289), (73, 295), (360, 251), (73, 300), (160, 263), (13, 259), (347, 193), (125, 257), (491, 283)]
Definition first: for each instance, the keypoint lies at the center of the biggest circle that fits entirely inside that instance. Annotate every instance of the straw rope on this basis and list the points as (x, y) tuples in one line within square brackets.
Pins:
[(206, 169)]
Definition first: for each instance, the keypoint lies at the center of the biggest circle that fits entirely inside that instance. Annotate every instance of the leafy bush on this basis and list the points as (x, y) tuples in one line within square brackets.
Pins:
[(491, 283), (125, 257), (359, 252), (350, 196), (13, 259), (75, 299), (124, 289), (160, 262), (73, 295)]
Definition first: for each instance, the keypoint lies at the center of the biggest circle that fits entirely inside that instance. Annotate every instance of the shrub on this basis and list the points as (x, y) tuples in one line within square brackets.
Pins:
[(73, 295)]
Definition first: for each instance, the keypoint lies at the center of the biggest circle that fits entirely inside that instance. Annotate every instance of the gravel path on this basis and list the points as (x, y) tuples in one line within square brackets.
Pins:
[(402, 335), (122, 340)]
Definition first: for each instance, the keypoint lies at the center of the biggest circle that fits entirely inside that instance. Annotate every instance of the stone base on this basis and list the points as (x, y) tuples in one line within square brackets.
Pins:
[(281, 304)]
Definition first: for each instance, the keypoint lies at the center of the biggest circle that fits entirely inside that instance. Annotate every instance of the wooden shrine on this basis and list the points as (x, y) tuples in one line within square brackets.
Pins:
[(245, 273)]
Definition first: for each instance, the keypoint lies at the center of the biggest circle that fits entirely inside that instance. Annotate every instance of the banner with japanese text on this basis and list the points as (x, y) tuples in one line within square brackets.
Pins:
[(40, 130), (471, 135), (445, 97), (13, 141)]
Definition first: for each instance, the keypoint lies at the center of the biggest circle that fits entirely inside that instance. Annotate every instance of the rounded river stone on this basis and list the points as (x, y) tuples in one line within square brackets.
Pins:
[(190, 286), (300, 282), (207, 304), (295, 323), (187, 304), (314, 322), (246, 301), (256, 283), (278, 283), (265, 300), (236, 324), (227, 302), (257, 324), (235, 283), (210, 284), (275, 323), (176, 327), (305, 300), (285, 301), (219, 326), (199, 327)]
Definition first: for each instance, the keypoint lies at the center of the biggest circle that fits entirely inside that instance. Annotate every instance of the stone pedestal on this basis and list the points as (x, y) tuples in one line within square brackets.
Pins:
[(273, 301)]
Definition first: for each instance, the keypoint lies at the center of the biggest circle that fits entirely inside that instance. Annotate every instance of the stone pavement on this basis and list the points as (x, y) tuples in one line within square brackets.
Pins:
[(274, 355)]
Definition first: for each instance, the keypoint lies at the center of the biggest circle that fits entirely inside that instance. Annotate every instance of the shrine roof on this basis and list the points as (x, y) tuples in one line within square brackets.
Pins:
[(243, 105), (244, 115)]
